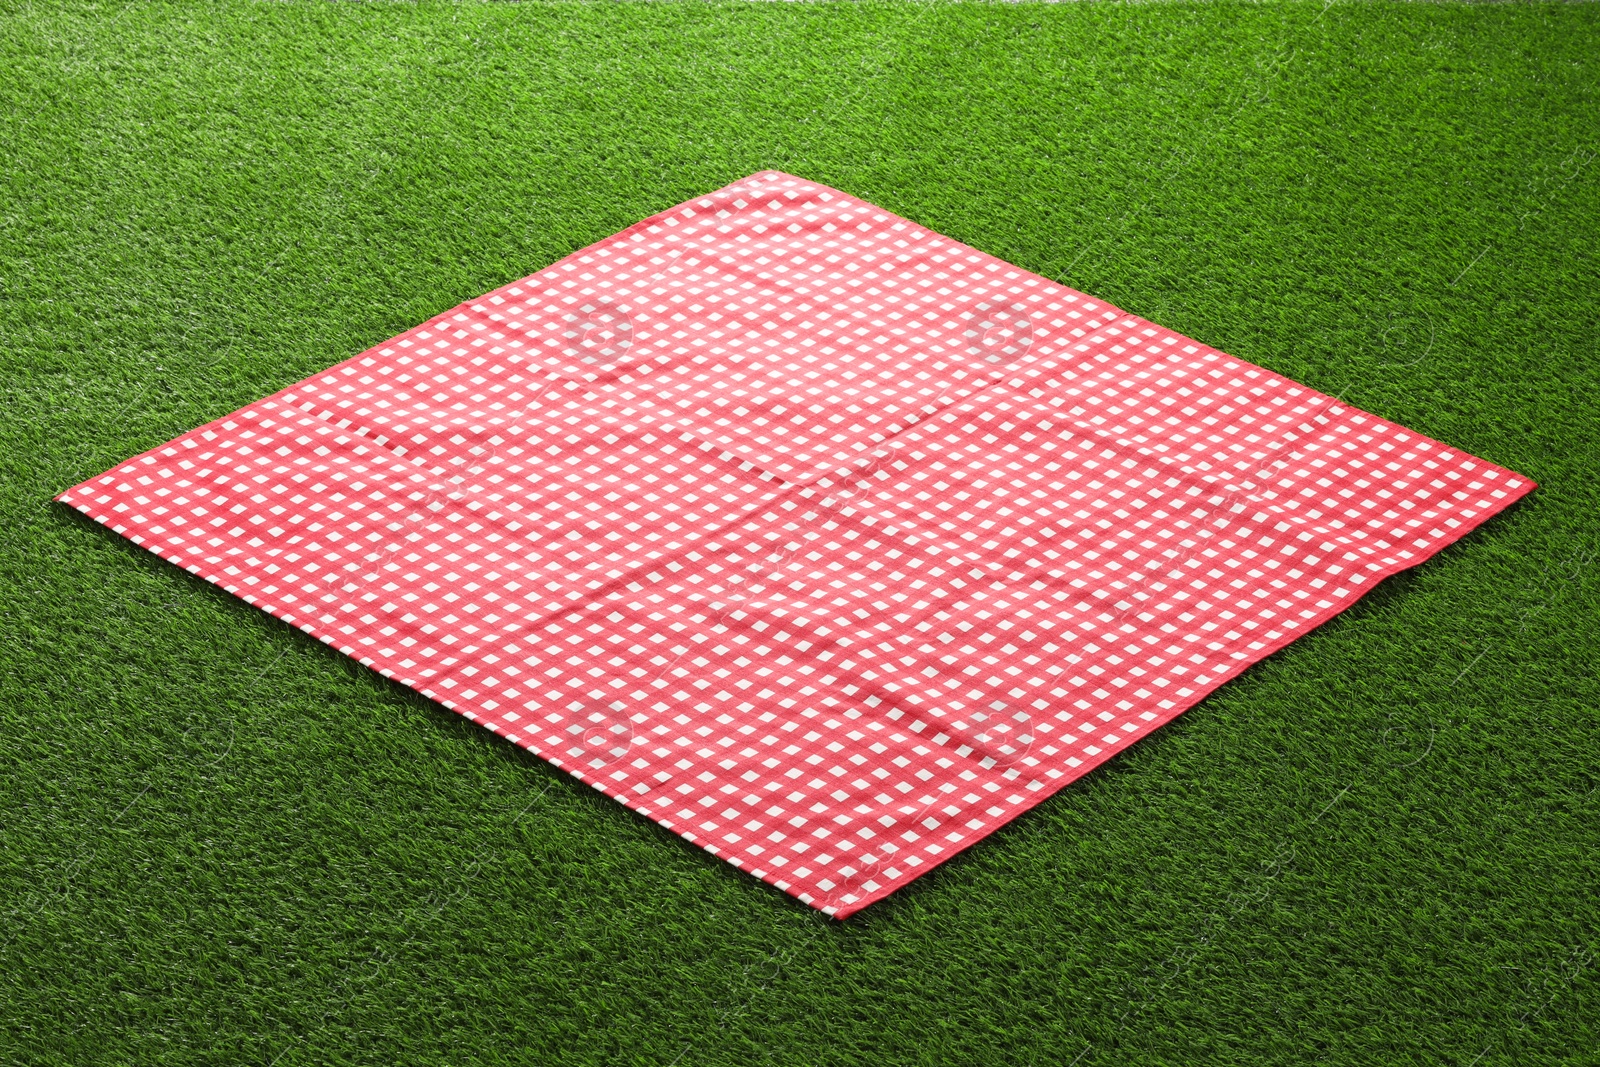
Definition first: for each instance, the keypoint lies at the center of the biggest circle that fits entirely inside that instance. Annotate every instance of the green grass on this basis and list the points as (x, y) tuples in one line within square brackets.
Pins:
[(225, 843)]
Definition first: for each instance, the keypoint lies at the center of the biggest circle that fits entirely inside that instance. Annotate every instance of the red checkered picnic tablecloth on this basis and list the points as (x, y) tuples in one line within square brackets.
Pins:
[(823, 540)]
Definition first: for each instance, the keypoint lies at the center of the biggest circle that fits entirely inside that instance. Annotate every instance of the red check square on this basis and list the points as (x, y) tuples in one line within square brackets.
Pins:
[(825, 541)]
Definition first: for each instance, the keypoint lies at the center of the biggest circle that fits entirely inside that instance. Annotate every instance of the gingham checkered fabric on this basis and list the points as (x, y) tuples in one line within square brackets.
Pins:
[(827, 542)]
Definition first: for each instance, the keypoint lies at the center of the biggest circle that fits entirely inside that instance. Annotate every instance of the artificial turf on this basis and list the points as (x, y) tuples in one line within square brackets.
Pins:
[(225, 843)]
